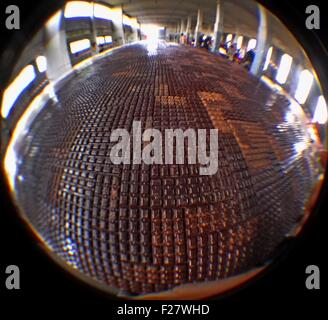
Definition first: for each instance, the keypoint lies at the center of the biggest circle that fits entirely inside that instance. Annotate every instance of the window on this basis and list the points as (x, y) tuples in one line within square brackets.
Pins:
[(104, 40), (320, 113), (251, 44), (239, 42), (80, 45), (228, 39), (100, 40), (41, 63), (268, 59), (304, 86), (284, 68), (131, 22), (102, 12), (10, 95), (108, 39), (74, 9)]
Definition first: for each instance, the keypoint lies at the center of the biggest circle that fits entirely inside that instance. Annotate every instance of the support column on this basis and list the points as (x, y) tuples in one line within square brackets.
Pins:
[(177, 36), (94, 45), (135, 26), (56, 52), (118, 31), (218, 26), (199, 26), (262, 43), (235, 38), (188, 29), (178, 27), (182, 29)]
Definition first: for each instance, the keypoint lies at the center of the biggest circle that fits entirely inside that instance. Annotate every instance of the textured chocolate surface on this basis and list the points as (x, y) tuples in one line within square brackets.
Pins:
[(147, 228)]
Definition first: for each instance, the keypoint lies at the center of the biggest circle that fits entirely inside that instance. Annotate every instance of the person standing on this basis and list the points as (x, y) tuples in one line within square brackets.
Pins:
[(231, 52)]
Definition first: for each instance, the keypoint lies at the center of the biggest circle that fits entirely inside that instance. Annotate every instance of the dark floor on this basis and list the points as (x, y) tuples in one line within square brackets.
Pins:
[(145, 228)]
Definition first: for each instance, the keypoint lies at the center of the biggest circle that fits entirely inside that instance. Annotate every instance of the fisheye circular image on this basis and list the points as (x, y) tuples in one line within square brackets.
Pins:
[(162, 149)]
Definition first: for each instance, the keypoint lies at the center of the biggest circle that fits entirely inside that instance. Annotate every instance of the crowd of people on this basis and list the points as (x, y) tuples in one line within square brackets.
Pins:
[(229, 49), (241, 56)]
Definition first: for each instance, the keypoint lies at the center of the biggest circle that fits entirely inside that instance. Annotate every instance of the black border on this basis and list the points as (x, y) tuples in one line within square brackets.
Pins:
[(47, 286)]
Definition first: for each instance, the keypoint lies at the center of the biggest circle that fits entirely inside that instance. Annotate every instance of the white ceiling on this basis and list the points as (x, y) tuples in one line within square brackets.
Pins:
[(239, 14), (240, 17)]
